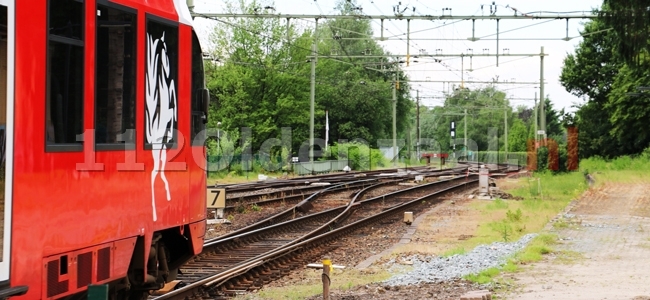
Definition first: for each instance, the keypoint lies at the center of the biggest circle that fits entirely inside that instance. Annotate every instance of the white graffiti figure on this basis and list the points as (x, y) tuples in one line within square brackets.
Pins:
[(161, 110)]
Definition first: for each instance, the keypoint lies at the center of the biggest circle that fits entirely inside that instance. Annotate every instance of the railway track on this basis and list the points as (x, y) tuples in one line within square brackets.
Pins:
[(282, 205), (291, 196), (250, 259), (293, 211), (298, 181), (238, 201)]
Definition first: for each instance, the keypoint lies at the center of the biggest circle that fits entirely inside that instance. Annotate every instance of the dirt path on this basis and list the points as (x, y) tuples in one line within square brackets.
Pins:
[(609, 234)]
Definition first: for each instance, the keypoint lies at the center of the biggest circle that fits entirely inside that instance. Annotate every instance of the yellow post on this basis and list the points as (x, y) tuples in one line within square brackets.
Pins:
[(327, 267)]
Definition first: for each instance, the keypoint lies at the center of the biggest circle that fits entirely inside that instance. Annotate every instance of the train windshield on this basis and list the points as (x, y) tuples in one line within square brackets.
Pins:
[(198, 83)]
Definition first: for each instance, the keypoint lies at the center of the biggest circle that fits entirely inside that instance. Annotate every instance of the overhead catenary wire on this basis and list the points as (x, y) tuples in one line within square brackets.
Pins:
[(366, 64), (289, 43)]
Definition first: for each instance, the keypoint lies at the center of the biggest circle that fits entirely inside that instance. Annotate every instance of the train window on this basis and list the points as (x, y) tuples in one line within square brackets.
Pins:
[(66, 18), (115, 76), (198, 83), (161, 84), (64, 104)]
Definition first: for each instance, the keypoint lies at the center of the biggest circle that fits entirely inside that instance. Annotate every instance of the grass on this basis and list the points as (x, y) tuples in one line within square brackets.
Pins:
[(508, 220), (543, 200), (312, 285), (455, 251), (622, 169), (545, 195), (568, 256)]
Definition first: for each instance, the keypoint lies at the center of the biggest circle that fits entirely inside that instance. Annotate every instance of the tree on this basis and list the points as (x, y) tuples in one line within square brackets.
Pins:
[(359, 94), (591, 70), (606, 70), (630, 110), (262, 79), (517, 136), (484, 110), (630, 20), (554, 128)]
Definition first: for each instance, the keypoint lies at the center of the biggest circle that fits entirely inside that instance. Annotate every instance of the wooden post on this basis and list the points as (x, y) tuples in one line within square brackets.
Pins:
[(327, 265)]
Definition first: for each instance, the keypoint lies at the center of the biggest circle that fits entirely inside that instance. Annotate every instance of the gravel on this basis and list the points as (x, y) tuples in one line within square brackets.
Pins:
[(436, 269)]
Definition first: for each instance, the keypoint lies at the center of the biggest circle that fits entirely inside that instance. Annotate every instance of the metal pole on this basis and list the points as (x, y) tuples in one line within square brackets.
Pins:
[(395, 119), (466, 134), (505, 114), (535, 108), (542, 98), (497, 43), (288, 30), (417, 126), (408, 42), (462, 71), (313, 96)]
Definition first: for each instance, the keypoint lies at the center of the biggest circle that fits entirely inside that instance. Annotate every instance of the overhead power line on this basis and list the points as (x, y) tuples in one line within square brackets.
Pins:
[(394, 17)]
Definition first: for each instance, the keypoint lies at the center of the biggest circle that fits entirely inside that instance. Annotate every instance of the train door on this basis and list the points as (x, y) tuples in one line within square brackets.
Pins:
[(6, 131)]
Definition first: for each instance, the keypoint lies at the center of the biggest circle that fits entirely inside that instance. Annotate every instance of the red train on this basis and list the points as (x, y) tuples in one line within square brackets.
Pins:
[(99, 100)]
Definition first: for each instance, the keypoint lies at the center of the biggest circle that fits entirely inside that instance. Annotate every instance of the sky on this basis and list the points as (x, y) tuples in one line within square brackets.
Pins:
[(451, 37)]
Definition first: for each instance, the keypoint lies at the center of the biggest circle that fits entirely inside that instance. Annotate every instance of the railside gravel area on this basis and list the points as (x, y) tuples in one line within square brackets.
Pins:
[(427, 269)]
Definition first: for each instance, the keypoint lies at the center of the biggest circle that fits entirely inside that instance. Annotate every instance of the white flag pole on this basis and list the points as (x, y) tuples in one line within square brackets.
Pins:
[(327, 129)]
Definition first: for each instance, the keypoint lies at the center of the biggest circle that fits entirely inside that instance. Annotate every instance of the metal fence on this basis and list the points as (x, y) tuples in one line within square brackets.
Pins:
[(318, 167), (261, 163)]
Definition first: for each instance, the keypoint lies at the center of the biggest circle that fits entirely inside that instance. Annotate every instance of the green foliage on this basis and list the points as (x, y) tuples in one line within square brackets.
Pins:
[(640, 162), (591, 70), (255, 207), (539, 246), (500, 156), (484, 111), (517, 136), (630, 112), (359, 156), (554, 128), (630, 20), (514, 216), (608, 66), (486, 108), (497, 204), (484, 276), (504, 228), (262, 80), (510, 225)]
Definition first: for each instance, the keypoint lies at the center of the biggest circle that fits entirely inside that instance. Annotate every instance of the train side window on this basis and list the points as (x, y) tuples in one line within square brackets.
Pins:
[(115, 76), (198, 83), (65, 73), (161, 83)]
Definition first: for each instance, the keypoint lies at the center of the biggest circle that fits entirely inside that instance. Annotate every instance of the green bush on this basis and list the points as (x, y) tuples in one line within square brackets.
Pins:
[(640, 162), (359, 156)]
